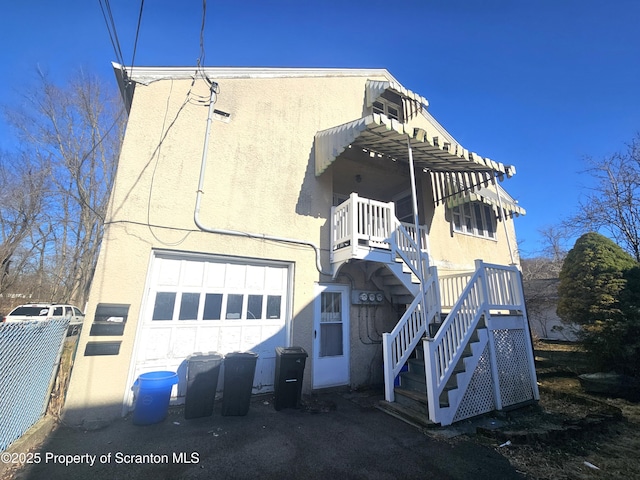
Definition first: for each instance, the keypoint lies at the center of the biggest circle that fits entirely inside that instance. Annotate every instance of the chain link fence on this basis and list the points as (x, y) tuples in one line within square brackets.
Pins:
[(29, 358)]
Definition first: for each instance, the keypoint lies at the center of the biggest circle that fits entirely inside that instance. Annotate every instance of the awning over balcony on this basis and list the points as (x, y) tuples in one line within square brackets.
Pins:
[(377, 135), (375, 88)]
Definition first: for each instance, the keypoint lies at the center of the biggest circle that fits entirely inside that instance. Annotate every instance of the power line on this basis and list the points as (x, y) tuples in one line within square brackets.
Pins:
[(135, 44), (111, 28), (204, 18)]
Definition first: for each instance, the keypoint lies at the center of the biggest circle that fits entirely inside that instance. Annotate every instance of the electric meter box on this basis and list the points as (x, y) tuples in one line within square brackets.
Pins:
[(367, 297)]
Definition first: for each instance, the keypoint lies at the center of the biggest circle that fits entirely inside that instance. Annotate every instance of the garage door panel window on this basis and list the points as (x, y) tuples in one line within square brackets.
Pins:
[(212, 306), (234, 306), (163, 307), (187, 306), (274, 303), (254, 307)]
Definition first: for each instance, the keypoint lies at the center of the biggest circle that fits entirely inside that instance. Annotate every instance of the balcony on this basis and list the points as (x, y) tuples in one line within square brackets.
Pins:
[(365, 229)]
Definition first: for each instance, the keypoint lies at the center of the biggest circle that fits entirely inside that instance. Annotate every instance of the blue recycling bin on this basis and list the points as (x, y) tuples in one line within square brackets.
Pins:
[(152, 392)]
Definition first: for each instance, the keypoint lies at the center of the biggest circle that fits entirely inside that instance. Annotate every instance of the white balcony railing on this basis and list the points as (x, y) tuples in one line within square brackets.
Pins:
[(451, 287), (365, 223)]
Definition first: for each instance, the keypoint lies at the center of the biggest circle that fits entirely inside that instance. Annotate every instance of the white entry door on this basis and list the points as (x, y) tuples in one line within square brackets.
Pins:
[(331, 336)]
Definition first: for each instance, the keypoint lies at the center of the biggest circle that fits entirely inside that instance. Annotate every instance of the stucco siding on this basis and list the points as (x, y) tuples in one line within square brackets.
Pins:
[(260, 179)]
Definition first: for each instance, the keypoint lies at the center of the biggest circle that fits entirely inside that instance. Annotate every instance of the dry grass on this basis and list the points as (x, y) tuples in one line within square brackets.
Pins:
[(59, 390), (610, 451)]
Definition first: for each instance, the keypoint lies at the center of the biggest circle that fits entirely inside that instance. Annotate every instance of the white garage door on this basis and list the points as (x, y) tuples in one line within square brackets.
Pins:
[(197, 304)]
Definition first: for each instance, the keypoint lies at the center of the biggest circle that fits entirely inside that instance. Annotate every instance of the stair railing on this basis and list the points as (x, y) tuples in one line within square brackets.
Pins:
[(398, 344), (451, 287), (405, 247), (492, 287)]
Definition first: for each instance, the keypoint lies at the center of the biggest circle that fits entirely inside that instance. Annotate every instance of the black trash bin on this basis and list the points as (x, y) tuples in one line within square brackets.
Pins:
[(239, 370), (202, 380), (289, 374)]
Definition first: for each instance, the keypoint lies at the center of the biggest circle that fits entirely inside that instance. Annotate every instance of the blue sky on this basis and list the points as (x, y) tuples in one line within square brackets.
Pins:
[(538, 84)]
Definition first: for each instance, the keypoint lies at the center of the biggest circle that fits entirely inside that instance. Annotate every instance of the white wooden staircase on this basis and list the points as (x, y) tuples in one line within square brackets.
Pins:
[(476, 359)]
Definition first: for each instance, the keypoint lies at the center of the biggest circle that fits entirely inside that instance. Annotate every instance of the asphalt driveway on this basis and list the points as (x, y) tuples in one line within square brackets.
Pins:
[(340, 436)]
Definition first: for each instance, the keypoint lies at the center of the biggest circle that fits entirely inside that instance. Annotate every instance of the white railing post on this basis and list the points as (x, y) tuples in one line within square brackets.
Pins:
[(354, 214), (334, 234), (480, 267), (528, 339), (389, 379), (431, 376)]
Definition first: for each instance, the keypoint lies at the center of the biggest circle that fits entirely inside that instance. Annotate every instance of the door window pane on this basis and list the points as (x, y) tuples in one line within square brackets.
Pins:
[(330, 324), (234, 307), (330, 339), (189, 306), (254, 307), (163, 308), (212, 306), (330, 307), (273, 306)]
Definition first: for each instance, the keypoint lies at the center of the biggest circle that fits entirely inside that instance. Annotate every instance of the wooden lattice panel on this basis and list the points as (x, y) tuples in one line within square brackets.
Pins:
[(514, 373), (478, 398)]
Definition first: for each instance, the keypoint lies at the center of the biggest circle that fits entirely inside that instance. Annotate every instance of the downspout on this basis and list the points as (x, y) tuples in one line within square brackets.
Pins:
[(414, 200), (503, 219), (200, 192)]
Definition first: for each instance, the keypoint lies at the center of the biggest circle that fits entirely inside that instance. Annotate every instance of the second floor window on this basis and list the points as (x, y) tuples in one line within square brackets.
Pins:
[(474, 218), (387, 108)]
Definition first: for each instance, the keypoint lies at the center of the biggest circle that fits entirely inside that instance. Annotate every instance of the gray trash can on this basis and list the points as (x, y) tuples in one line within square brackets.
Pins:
[(202, 381), (290, 363), (239, 370)]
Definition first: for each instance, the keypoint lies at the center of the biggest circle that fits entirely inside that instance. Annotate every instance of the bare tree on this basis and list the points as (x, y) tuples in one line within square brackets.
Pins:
[(21, 205), (613, 204), (540, 276), (73, 133)]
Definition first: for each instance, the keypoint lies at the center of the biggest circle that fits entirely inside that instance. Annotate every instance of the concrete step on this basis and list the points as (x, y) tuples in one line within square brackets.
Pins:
[(407, 415), (413, 381), (416, 365), (411, 399)]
